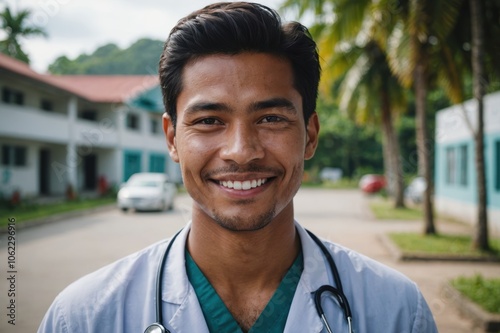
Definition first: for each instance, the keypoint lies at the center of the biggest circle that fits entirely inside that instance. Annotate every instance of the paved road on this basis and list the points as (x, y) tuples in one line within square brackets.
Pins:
[(51, 256)]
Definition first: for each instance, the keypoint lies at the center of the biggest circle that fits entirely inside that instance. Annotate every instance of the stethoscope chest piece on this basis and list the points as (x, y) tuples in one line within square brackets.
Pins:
[(156, 328)]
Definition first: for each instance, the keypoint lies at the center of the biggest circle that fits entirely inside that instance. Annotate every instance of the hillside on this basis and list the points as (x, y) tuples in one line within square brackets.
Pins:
[(140, 58)]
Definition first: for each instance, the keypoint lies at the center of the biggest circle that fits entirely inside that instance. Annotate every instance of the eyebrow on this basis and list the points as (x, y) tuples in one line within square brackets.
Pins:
[(277, 102), (207, 106)]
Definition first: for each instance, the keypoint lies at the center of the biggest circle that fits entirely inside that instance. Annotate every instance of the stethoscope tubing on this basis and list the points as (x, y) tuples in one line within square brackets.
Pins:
[(338, 292), (158, 327)]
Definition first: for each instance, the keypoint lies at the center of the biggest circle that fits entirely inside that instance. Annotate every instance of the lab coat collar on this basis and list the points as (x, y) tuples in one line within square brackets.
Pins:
[(303, 316), (178, 292), (181, 306), (175, 284)]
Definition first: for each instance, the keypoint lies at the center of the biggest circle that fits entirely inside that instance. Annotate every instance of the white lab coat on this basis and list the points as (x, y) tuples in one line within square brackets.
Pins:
[(121, 297)]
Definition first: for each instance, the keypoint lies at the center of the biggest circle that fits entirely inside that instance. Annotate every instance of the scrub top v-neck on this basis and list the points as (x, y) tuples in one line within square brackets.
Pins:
[(217, 315)]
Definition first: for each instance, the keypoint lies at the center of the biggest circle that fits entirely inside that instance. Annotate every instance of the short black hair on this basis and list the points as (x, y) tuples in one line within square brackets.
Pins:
[(233, 28)]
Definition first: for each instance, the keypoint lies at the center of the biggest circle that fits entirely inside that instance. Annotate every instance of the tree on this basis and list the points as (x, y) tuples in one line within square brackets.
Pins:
[(16, 27), (348, 35), (371, 94), (139, 58), (419, 56), (480, 239)]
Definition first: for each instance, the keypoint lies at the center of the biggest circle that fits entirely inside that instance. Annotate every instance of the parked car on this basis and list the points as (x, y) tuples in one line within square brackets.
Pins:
[(415, 191), (371, 183), (330, 174), (147, 191)]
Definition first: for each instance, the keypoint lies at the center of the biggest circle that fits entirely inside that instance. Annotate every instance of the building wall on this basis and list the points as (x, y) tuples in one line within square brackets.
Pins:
[(105, 135), (19, 177), (456, 176)]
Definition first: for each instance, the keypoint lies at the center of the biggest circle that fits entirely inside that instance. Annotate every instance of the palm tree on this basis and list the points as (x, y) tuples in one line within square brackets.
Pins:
[(349, 44), (15, 26), (419, 56), (371, 94), (479, 59), (480, 239)]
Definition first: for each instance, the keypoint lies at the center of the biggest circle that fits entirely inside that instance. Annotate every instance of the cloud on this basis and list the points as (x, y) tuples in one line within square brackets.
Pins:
[(80, 26)]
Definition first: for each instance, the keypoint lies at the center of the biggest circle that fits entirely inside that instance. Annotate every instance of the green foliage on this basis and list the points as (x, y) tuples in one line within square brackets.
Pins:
[(140, 58), (341, 184), (459, 245), (485, 292), (343, 144), (384, 210), (31, 211), (16, 27)]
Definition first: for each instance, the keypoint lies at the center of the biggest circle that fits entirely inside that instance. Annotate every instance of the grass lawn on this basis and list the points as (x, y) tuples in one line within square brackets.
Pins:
[(384, 210), (341, 184), (484, 292), (30, 212), (459, 245)]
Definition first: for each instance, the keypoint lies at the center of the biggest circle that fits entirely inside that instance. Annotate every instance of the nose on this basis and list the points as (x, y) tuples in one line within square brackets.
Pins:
[(243, 144)]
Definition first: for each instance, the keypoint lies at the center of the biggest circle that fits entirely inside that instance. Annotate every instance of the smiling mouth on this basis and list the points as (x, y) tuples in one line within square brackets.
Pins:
[(243, 185)]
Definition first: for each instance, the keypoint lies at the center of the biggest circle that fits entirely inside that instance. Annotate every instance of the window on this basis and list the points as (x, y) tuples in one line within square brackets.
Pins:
[(497, 166), (46, 105), (450, 165), (155, 126), (132, 121), (89, 115), (12, 96), (13, 155), (463, 164), (132, 164), (156, 163)]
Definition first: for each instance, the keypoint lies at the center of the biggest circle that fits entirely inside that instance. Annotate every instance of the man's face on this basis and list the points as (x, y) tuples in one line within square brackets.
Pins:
[(240, 139)]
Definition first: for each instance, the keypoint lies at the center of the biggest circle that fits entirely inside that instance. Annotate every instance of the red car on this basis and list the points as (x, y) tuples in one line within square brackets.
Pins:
[(372, 183)]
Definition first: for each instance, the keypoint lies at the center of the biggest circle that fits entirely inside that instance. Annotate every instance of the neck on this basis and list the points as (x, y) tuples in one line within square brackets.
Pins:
[(250, 259)]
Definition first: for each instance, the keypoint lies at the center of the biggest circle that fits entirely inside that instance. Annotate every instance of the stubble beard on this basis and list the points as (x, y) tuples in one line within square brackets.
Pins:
[(244, 223)]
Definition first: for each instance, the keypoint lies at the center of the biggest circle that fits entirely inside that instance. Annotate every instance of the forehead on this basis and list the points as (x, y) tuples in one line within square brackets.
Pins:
[(242, 76)]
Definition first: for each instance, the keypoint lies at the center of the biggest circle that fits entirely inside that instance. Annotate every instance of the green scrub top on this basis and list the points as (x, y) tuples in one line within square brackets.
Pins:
[(217, 315)]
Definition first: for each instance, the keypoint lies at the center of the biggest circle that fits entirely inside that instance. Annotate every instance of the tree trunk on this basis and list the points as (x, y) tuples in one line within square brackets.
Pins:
[(424, 168), (394, 170), (480, 238)]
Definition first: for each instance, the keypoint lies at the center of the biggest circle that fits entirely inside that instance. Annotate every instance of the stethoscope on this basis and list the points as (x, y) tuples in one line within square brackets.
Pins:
[(338, 292)]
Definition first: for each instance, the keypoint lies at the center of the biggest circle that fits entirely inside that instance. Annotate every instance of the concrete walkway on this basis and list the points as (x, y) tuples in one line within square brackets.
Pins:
[(347, 220)]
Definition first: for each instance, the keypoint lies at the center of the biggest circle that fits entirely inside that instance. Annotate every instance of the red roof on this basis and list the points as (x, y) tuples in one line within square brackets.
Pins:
[(95, 88), (107, 88)]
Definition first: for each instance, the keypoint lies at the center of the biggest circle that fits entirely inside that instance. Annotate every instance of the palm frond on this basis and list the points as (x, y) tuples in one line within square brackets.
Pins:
[(351, 81), (400, 55)]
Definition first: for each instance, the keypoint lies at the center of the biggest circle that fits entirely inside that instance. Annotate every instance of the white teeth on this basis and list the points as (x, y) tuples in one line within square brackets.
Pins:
[(244, 185)]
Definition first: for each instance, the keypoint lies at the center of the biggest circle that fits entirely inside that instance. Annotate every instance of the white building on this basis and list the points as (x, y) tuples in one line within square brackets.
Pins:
[(456, 177), (57, 131)]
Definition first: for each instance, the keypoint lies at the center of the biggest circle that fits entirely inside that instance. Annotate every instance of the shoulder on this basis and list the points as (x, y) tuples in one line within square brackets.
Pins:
[(361, 270), (94, 297), (379, 291), (121, 272)]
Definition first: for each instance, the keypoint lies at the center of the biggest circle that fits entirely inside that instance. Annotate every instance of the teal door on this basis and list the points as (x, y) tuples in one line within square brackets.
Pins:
[(132, 164)]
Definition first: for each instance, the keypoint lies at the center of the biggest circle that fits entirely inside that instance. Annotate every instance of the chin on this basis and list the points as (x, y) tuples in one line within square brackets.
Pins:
[(240, 224)]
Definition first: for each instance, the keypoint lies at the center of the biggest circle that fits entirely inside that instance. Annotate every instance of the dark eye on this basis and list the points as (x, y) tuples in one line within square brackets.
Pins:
[(209, 121), (271, 119)]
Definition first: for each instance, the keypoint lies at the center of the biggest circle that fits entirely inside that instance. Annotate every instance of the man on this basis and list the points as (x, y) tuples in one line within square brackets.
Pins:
[(240, 91)]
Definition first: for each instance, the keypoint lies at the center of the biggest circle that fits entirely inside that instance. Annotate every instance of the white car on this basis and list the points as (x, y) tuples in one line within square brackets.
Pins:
[(415, 191), (147, 191)]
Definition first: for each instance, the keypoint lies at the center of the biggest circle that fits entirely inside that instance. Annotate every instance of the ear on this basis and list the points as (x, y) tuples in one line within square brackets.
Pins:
[(312, 134), (168, 129)]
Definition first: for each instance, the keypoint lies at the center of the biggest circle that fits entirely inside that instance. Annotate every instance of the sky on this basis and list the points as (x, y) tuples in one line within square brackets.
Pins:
[(80, 26)]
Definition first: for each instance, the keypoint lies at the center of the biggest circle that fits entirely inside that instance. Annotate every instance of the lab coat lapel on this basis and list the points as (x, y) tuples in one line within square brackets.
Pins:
[(189, 317), (303, 316), (181, 308)]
